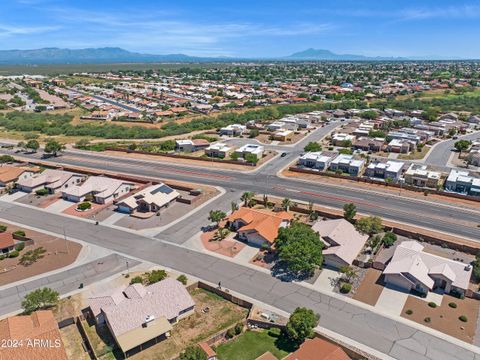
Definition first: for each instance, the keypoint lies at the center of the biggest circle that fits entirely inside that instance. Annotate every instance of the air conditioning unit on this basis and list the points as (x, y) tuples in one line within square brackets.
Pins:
[(149, 318)]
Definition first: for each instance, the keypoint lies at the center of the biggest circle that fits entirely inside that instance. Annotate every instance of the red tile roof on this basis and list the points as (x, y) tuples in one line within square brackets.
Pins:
[(40, 326), (318, 349)]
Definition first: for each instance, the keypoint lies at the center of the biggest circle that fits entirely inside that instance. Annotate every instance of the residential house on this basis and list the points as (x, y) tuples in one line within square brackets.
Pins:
[(251, 149), (51, 179), (400, 146), (368, 144), (419, 175), (385, 170), (37, 337), (101, 188), (11, 174), (460, 181), (218, 150), (412, 268), (233, 130), (342, 242), (275, 126), (401, 135), (341, 139), (7, 243), (318, 349), (137, 314), (283, 135), (151, 199), (474, 119), (317, 160), (258, 227), (191, 145), (347, 164)]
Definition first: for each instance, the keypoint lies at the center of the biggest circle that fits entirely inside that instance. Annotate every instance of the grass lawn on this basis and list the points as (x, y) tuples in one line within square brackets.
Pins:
[(252, 344)]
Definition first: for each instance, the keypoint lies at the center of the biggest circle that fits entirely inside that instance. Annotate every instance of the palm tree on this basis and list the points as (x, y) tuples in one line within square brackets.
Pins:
[(286, 203), (265, 200), (233, 206), (247, 198)]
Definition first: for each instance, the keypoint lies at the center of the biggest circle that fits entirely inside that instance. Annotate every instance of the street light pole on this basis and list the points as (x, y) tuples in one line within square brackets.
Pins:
[(66, 241)]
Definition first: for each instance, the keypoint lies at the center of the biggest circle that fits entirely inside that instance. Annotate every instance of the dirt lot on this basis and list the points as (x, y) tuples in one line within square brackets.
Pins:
[(55, 257), (370, 288), (444, 318)]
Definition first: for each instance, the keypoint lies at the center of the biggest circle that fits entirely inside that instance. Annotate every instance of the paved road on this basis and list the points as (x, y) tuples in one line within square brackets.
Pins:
[(441, 152), (397, 339), (66, 281), (456, 220)]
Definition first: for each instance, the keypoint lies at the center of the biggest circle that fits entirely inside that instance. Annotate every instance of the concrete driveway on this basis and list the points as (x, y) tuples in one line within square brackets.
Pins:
[(326, 280), (59, 206), (391, 301)]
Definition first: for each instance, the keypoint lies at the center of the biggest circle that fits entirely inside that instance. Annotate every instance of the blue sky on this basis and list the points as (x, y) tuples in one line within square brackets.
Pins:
[(260, 28)]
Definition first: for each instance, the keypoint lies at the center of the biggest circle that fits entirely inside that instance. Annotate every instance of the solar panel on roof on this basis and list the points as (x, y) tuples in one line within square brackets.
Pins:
[(163, 188)]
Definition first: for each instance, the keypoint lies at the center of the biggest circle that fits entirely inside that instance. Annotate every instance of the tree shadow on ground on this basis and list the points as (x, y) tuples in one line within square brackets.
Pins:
[(281, 271), (282, 342)]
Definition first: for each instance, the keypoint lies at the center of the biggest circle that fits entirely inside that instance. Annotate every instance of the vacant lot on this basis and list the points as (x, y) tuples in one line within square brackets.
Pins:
[(252, 344), (444, 318)]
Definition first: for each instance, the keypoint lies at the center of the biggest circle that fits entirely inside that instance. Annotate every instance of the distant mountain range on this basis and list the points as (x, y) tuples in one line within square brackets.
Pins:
[(327, 55), (109, 55)]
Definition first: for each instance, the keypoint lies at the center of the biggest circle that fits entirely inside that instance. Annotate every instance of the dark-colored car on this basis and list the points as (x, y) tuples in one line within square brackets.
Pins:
[(283, 154)]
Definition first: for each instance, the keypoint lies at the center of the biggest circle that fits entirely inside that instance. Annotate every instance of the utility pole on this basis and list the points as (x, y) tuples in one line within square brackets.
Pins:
[(66, 241)]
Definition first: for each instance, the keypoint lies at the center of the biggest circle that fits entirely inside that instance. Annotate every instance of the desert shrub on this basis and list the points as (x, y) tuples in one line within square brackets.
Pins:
[(452, 305), (462, 318), (136, 280), (183, 279), (84, 206), (20, 247), (41, 192), (155, 276), (238, 328), (2, 257), (13, 254), (230, 333), (427, 320), (3, 228), (345, 288), (409, 312), (432, 304), (19, 233)]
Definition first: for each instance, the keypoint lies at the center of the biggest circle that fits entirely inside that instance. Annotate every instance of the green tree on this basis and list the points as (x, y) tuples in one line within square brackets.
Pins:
[(312, 146), (300, 248), (54, 147), (216, 216), (389, 239), (40, 299), (193, 352), (349, 273), (251, 159), (462, 145), (301, 324), (369, 225), (233, 206), (286, 204), (32, 145), (349, 211), (369, 114), (247, 198)]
